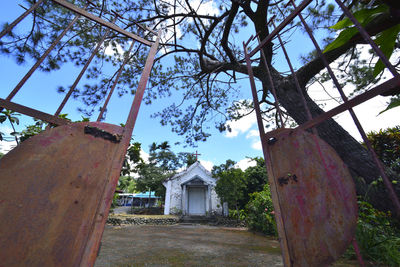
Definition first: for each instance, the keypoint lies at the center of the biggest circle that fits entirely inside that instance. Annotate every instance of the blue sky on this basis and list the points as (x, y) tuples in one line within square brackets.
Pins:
[(40, 92)]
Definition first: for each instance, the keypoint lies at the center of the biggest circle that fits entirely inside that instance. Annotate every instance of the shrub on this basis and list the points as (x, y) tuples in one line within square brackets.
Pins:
[(238, 214), (377, 237), (260, 212)]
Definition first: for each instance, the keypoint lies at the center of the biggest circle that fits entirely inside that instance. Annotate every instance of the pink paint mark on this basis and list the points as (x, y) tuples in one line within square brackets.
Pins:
[(96, 165), (296, 144), (302, 205)]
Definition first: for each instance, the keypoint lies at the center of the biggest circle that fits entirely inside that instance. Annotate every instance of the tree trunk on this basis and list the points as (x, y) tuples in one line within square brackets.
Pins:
[(356, 157)]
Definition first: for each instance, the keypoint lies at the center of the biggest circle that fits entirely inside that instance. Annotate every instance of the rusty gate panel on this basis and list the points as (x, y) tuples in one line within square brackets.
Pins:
[(317, 199), (51, 187)]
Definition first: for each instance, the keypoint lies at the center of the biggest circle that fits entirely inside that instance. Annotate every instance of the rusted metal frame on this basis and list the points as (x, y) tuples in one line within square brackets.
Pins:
[(274, 191), (379, 89), (344, 97), (94, 241), (71, 90), (358, 253), (32, 112), (273, 90), (308, 112), (18, 20), (283, 24), (103, 109), (41, 59), (90, 16), (386, 180), (130, 122), (368, 39)]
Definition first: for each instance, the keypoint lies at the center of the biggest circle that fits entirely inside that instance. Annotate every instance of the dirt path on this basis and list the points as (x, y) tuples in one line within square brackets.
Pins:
[(186, 245)]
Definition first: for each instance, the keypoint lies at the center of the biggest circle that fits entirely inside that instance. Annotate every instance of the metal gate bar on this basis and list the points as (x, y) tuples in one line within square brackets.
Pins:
[(266, 138)]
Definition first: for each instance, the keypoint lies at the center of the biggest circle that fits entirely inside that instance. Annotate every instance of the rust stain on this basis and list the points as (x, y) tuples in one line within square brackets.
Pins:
[(316, 195), (49, 206)]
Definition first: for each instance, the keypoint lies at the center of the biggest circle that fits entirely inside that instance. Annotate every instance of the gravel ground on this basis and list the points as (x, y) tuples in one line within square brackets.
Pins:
[(188, 245)]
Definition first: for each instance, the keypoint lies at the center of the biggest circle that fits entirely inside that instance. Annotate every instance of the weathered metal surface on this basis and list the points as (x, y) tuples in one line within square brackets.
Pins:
[(316, 197), (51, 191), (98, 227)]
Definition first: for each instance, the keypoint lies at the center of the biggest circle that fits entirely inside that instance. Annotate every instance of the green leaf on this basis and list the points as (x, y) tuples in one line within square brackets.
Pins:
[(363, 16), (14, 120), (2, 118), (343, 38), (386, 41), (395, 102)]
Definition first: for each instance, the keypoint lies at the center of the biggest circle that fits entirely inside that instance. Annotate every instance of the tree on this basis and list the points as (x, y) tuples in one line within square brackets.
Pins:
[(162, 164), (256, 178), (230, 187), (11, 116), (207, 62), (386, 144)]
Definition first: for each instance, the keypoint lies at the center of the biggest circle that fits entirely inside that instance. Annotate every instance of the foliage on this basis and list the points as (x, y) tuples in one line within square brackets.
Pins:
[(394, 102), (217, 169), (243, 184), (260, 212), (386, 144), (32, 130), (238, 214), (256, 178), (230, 187), (132, 157), (377, 237), (127, 184), (202, 61), (162, 164), (151, 178), (11, 116), (386, 40), (1, 155)]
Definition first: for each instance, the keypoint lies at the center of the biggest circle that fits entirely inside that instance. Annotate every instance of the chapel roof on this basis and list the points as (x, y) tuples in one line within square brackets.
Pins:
[(197, 164)]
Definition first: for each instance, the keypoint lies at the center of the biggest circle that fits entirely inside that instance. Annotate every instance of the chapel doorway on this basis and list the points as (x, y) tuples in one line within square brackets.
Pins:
[(197, 201)]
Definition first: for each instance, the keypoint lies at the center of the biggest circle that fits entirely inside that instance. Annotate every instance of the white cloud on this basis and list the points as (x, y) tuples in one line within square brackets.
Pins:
[(6, 146), (367, 113), (144, 155), (207, 164), (241, 126), (253, 133), (245, 163), (256, 145), (109, 50)]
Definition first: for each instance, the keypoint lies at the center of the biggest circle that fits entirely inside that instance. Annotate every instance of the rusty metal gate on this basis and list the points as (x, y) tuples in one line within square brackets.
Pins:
[(312, 189), (57, 187)]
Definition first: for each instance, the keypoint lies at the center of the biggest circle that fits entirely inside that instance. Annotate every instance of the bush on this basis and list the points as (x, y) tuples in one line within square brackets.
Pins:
[(377, 237), (240, 215), (260, 212)]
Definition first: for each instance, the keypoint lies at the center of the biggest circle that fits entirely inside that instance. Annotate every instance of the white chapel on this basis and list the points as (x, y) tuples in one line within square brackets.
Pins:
[(192, 192)]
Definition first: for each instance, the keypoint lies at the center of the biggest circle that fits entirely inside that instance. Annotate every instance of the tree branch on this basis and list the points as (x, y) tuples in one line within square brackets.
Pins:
[(228, 25), (312, 68)]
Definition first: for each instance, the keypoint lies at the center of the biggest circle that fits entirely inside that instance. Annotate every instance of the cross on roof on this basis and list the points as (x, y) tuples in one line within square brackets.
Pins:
[(196, 154)]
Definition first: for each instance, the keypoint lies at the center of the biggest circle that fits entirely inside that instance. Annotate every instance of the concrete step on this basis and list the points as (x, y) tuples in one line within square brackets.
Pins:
[(197, 219)]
